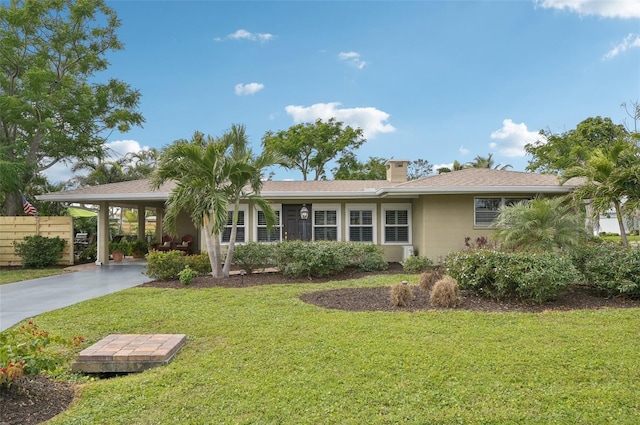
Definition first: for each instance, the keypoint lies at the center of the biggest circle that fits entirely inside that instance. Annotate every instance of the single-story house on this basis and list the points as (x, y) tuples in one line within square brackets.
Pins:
[(429, 217)]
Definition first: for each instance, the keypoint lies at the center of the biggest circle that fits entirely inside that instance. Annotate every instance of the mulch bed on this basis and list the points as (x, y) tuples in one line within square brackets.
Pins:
[(36, 399)]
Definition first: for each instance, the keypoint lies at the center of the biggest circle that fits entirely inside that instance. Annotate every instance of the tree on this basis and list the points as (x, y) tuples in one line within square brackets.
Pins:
[(132, 166), (612, 179), (418, 169), (52, 107), (349, 168), (210, 175), (487, 162), (554, 153), (309, 147), (457, 166), (540, 225)]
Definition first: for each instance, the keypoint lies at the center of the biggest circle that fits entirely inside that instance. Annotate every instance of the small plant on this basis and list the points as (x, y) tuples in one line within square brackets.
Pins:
[(481, 242), (445, 293), (186, 275), (23, 352), (401, 295), (39, 251), (122, 246), (139, 248), (416, 264), (429, 277)]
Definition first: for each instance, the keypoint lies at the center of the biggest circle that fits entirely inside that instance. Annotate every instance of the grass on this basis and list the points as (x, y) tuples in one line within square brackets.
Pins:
[(261, 356), (618, 239), (10, 275)]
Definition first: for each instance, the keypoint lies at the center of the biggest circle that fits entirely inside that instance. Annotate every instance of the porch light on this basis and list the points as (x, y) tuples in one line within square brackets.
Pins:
[(304, 212)]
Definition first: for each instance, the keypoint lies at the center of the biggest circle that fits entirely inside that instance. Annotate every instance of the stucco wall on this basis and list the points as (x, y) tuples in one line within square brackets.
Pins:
[(445, 221)]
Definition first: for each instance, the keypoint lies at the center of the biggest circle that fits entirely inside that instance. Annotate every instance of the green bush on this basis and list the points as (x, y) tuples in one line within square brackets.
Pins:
[(199, 262), (325, 258), (139, 248), (504, 275), (253, 256), (39, 251), (610, 268), (186, 275), (416, 264), (165, 265), (122, 246)]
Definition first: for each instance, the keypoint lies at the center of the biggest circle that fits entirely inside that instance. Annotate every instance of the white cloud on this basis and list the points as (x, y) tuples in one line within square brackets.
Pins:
[(247, 89), (372, 121), (629, 42), (606, 9), (436, 167), (246, 35), (511, 139), (463, 150), (353, 59)]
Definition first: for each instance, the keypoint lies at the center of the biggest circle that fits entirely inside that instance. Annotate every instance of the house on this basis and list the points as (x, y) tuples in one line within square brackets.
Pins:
[(430, 217)]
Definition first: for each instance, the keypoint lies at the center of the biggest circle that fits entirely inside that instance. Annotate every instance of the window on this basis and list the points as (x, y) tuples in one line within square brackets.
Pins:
[(275, 234), (397, 223), (241, 228), (361, 223), (325, 224), (487, 209)]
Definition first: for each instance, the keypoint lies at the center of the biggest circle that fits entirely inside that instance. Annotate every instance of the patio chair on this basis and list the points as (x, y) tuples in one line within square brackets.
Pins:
[(166, 245), (185, 244)]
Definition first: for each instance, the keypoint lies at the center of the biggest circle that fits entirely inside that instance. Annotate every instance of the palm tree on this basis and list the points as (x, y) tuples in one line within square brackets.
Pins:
[(541, 224), (210, 174), (487, 162), (245, 178), (612, 177)]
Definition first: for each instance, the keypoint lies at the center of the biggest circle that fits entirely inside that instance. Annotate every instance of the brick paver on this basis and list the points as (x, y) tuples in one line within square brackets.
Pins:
[(128, 353)]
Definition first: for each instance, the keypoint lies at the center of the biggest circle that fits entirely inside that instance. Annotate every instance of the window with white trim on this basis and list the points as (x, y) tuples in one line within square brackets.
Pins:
[(241, 233), (397, 223), (486, 210), (325, 222), (361, 224), (262, 235)]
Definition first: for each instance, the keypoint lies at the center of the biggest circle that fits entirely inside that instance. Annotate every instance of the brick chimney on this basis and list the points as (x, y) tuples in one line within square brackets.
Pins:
[(397, 170)]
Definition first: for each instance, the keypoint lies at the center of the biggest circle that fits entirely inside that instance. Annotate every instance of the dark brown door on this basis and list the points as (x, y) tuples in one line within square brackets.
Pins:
[(296, 229)]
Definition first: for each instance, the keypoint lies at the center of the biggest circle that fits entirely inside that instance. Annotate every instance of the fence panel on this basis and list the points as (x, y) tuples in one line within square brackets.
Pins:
[(16, 228)]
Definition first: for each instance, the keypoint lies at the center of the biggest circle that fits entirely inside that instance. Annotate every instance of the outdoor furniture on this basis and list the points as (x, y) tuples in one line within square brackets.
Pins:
[(166, 245), (185, 244)]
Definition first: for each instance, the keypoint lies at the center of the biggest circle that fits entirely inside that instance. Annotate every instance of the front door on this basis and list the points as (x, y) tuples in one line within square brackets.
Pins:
[(296, 229)]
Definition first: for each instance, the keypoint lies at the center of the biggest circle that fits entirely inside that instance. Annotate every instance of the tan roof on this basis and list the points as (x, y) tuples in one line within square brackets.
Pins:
[(472, 180)]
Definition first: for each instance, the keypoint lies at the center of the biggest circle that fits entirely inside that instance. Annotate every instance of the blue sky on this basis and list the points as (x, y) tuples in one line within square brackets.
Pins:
[(436, 80)]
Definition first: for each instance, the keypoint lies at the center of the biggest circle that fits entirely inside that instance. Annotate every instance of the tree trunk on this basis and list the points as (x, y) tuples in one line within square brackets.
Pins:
[(212, 250), (11, 204), (232, 240), (623, 233)]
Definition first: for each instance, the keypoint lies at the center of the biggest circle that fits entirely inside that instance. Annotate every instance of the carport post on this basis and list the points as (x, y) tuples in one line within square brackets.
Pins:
[(103, 234)]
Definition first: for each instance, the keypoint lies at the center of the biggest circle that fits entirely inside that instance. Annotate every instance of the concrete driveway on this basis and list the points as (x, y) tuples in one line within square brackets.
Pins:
[(23, 300)]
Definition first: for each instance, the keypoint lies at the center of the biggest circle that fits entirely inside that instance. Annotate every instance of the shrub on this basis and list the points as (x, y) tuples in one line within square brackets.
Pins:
[(186, 275), (401, 295), (165, 265), (253, 256), (445, 293), (122, 246), (326, 258), (139, 248), (39, 251), (429, 277), (502, 275), (610, 268), (199, 262), (23, 352), (416, 264)]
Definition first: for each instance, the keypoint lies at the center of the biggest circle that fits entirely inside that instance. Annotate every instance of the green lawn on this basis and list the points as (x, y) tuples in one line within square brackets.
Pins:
[(16, 275), (261, 356)]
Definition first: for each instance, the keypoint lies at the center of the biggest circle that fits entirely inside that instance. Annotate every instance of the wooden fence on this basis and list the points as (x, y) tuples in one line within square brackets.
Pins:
[(16, 228)]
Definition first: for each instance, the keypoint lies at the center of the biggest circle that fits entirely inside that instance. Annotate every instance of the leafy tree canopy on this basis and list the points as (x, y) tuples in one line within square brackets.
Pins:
[(308, 147), (52, 107), (349, 168), (553, 153)]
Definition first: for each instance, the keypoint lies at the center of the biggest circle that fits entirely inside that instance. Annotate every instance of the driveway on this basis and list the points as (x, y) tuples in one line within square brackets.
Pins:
[(22, 300)]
